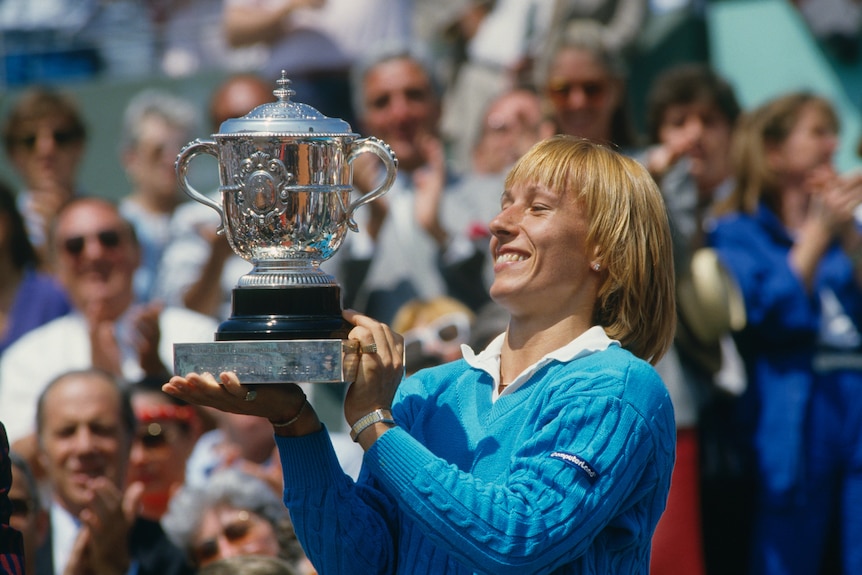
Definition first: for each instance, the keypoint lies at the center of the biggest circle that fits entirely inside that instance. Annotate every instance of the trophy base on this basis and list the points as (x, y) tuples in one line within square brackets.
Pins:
[(293, 361), (287, 334), (285, 313)]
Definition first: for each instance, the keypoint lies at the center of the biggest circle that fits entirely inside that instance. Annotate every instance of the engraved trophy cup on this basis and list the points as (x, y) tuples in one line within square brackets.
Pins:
[(285, 173)]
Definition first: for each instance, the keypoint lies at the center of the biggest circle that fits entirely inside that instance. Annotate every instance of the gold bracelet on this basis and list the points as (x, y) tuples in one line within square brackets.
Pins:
[(293, 419)]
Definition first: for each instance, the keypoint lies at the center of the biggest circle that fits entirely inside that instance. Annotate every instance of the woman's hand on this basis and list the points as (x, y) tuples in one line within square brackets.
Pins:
[(379, 372), (379, 368), (278, 402)]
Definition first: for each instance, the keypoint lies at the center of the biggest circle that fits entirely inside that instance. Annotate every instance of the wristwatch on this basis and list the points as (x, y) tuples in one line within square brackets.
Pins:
[(366, 421)]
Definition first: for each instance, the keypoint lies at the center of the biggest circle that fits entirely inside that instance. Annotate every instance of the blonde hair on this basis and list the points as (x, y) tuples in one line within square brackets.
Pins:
[(758, 132), (628, 227), (421, 311)]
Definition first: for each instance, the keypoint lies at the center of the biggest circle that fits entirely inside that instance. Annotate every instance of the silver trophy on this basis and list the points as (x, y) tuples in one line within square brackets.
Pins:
[(285, 173)]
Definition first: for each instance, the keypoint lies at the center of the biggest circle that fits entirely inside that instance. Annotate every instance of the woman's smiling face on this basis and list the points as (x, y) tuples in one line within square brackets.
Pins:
[(540, 252)]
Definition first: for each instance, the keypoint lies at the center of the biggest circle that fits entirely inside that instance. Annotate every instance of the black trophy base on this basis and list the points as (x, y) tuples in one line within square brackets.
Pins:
[(285, 313)]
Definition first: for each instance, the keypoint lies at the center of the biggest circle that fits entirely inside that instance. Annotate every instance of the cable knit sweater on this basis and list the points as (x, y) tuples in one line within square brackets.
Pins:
[(567, 474)]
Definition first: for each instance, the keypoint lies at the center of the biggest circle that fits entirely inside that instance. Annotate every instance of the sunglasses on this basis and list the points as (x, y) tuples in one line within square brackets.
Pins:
[(236, 533), (108, 239), (560, 91), (422, 343), (62, 138), (20, 507)]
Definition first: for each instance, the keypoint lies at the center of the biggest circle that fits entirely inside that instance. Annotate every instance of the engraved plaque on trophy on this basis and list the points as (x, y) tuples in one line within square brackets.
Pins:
[(285, 173)]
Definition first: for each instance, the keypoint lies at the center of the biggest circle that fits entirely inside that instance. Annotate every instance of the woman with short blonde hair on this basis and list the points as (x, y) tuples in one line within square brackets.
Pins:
[(551, 450)]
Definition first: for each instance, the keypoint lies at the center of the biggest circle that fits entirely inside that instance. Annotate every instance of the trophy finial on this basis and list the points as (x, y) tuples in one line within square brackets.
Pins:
[(283, 92)]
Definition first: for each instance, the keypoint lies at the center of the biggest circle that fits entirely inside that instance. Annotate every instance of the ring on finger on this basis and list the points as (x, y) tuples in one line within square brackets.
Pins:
[(370, 348)]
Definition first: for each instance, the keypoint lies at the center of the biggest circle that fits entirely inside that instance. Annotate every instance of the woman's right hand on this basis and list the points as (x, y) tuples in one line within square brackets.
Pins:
[(277, 402)]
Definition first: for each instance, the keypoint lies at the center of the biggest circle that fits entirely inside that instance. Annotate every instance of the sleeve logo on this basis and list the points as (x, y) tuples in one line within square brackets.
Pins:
[(576, 461)]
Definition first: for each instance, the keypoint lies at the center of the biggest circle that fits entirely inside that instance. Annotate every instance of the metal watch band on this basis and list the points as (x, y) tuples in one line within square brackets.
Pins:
[(366, 421)]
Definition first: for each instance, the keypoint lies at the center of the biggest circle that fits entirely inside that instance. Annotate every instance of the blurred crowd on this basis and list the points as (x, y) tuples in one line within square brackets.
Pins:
[(111, 475)]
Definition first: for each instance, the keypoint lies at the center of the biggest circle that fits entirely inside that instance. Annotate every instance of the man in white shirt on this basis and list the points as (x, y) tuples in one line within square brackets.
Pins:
[(95, 256)]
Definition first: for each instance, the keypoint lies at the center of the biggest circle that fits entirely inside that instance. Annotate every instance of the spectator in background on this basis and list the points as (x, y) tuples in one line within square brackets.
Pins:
[(11, 541), (506, 41), (233, 514), (45, 139), (95, 259), (156, 125), (85, 425), (691, 114), (191, 39), (495, 46), (29, 296), (584, 84), (317, 41), (238, 441), (617, 24), (433, 331), (28, 514), (166, 432), (513, 122), (789, 236), (402, 236), (245, 443)]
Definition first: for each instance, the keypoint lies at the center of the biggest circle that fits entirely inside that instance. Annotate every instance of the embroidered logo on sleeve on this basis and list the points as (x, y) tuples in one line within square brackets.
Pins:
[(576, 461)]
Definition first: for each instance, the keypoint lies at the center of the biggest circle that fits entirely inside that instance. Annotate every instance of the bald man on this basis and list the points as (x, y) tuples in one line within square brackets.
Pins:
[(85, 424)]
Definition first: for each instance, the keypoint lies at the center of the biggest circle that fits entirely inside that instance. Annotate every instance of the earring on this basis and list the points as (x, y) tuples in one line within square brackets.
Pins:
[(597, 266)]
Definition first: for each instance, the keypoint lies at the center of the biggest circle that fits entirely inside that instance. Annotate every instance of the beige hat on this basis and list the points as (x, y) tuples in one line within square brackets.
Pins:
[(709, 298)]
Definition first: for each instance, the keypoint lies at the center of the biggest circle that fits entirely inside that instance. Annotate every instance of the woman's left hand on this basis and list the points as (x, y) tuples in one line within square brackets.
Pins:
[(380, 369)]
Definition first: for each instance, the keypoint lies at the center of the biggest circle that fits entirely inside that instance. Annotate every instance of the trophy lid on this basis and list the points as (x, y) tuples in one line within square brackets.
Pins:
[(286, 117)]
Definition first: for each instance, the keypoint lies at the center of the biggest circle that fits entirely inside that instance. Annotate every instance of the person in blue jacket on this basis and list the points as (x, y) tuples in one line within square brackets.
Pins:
[(551, 450), (789, 236)]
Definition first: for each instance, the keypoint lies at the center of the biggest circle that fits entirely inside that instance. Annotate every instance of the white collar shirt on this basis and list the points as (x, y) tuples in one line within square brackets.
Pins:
[(591, 341)]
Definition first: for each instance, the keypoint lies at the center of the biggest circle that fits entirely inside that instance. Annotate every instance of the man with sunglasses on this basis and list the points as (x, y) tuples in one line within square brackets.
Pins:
[(95, 255), (44, 137), (404, 249)]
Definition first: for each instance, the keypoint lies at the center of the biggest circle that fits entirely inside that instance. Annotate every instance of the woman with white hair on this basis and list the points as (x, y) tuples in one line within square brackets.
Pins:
[(232, 514)]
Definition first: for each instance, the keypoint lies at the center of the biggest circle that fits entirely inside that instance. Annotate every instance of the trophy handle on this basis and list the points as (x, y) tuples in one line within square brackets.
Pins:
[(186, 155), (384, 152)]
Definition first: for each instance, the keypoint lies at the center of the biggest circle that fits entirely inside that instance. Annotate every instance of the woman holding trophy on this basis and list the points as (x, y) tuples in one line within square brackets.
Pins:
[(549, 451)]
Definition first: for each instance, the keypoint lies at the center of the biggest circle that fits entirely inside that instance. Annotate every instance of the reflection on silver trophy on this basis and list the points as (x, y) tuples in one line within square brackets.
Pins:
[(285, 173)]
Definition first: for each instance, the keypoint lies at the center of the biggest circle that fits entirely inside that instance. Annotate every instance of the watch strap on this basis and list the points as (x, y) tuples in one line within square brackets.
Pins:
[(366, 421)]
